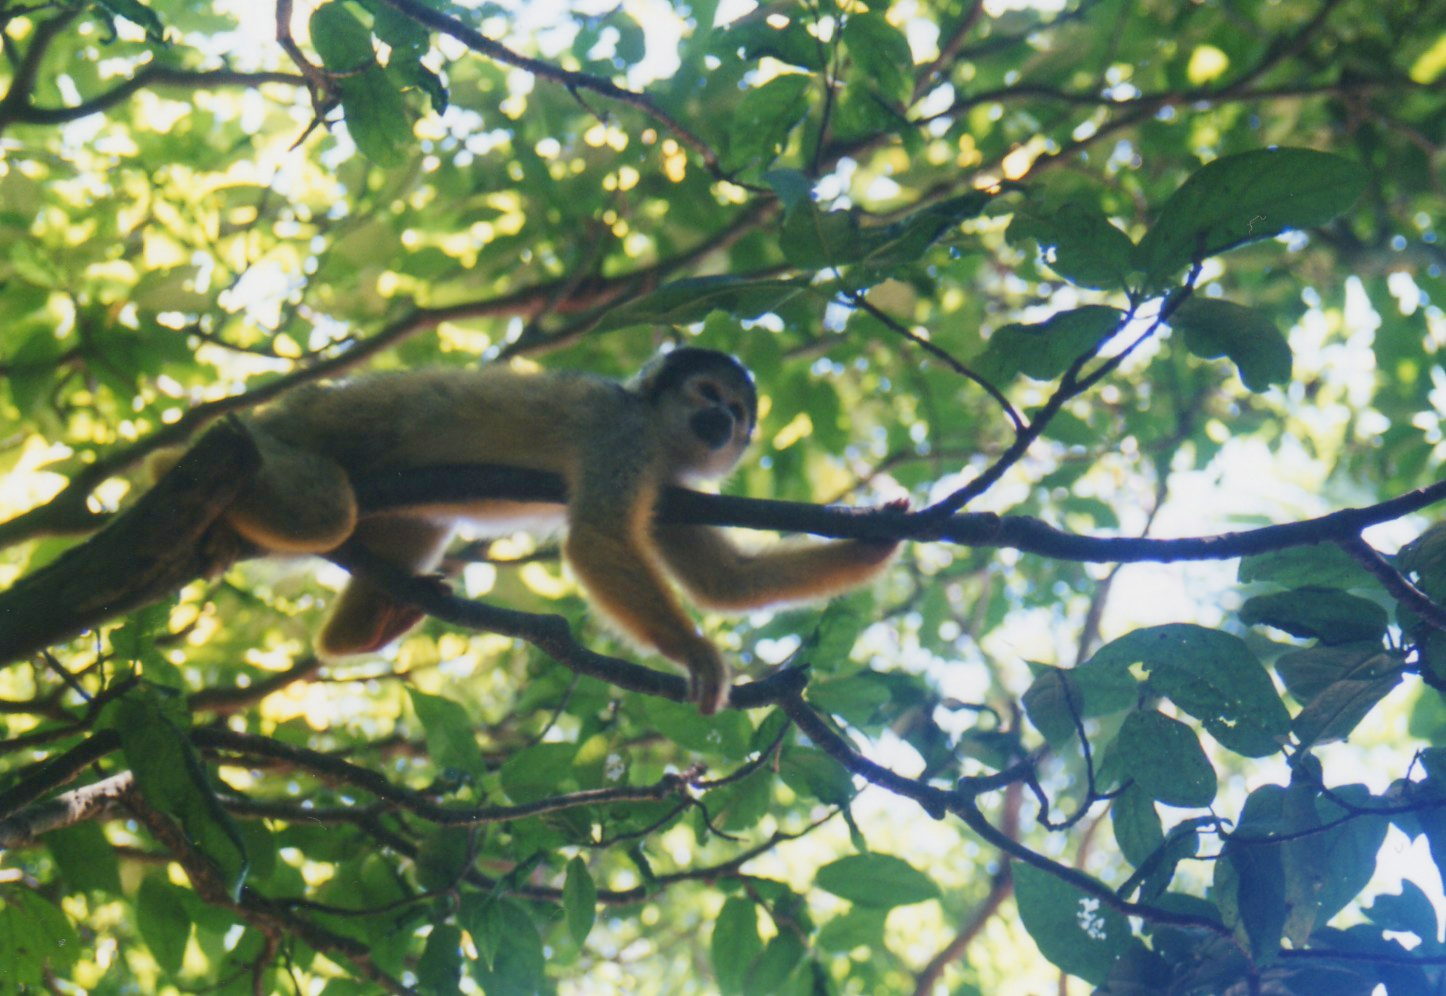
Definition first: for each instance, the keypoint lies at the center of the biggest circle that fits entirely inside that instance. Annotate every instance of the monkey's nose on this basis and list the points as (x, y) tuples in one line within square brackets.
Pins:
[(714, 426)]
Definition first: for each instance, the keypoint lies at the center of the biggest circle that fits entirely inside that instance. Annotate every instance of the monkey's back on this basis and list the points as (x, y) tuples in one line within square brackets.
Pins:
[(441, 416)]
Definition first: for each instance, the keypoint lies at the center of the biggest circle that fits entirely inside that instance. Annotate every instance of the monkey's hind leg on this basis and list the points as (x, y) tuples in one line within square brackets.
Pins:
[(298, 501), (365, 618)]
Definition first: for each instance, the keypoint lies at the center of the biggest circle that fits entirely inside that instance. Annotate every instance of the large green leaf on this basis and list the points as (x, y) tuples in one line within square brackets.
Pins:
[(451, 732), (1079, 243), (1244, 198), (1326, 614), (1211, 675), (151, 722), (371, 102), (1164, 757), (879, 881), (735, 943), (1215, 328), (165, 925), (35, 938), (1046, 350), (1074, 930)]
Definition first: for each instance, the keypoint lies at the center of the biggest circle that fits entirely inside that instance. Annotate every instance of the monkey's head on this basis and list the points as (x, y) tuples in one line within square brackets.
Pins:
[(706, 406)]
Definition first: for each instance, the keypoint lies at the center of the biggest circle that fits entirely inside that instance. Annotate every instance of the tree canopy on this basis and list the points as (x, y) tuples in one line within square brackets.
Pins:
[(1139, 303)]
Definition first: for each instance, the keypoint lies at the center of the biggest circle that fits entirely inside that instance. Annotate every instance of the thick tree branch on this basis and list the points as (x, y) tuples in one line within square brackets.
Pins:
[(90, 802), (100, 576)]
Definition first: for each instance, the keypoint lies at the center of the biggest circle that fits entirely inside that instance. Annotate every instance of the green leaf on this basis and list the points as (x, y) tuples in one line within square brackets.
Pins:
[(742, 803), (724, 734), (857, 698), (151, 723), (1164, 757), (765, 116), (482, 916), (789, 42), (1046, 350), (684, 302), (442, 857), (1213, 676), (1326, 614), (1244, 198), (1055, 705), (164, 923), (538, 771), (31, 369), (1249, 890), (735, 943), (878, 881), (451, 739), (1347, 852), (439, 970), (376, 116), (86, 859), (812, 774), (1078, 242), (815, 240), (1074, 930), (139, 14), (1425, 557), (881, 53), (35, 937), (906, 240), (1250, 340), (1334, 711), (342, 41), (1409, 911), (1136, 824), (1323, 564), (1307, 673), (579, 899), (518, 966), (860, 927), (772, 969)]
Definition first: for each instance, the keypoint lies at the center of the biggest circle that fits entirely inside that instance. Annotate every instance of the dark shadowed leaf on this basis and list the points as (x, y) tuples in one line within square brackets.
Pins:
[(1326, 614), (1247, 337), (1164, 757)]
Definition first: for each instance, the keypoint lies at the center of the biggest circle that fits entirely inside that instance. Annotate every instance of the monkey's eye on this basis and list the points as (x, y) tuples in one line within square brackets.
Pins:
[(709, 391)]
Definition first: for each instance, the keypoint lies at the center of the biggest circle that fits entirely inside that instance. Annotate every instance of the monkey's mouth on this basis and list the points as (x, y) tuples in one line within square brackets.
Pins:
[(714, 426)]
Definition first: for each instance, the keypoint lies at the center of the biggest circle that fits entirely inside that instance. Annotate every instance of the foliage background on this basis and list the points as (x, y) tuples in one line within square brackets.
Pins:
[(801, 184)]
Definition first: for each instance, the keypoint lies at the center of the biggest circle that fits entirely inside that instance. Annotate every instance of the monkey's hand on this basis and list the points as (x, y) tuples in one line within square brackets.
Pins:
[(708, 677), (877, 551)]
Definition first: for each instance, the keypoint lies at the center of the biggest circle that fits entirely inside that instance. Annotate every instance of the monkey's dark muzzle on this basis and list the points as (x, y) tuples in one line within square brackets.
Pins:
[(714, 426)]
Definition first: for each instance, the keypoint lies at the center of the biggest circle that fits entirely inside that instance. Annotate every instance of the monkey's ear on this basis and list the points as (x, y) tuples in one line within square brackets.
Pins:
[(667, 371)]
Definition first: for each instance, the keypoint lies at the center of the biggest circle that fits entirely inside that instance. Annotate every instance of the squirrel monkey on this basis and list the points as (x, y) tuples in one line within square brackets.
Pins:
[(686, 417)]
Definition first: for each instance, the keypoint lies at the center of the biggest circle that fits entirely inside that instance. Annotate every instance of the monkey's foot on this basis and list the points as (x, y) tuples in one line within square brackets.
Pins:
[(709, 682), (394, 619)]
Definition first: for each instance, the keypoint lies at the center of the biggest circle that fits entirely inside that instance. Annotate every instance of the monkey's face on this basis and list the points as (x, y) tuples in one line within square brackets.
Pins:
[(707, 420)]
